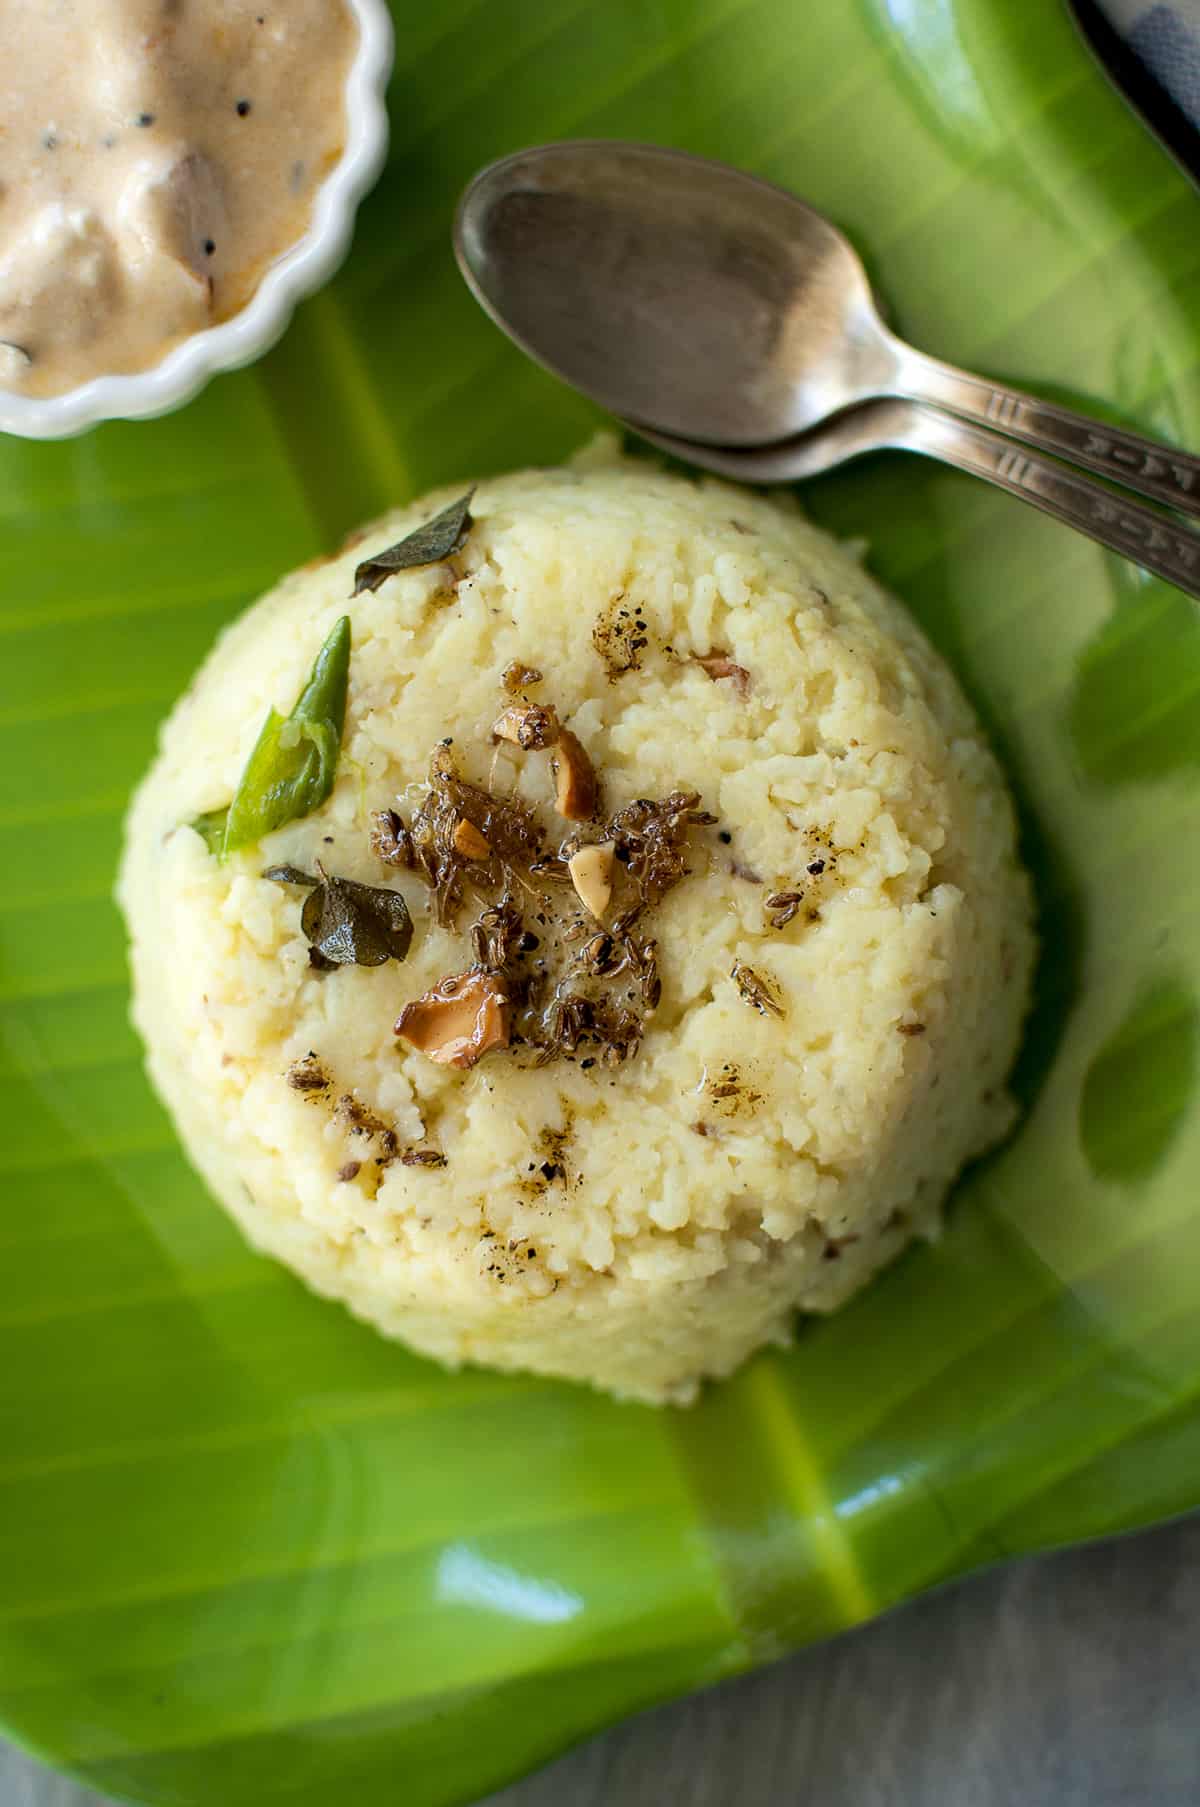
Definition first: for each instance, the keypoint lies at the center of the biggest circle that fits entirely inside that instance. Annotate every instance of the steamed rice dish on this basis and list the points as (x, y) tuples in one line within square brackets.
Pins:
[(654, 963)]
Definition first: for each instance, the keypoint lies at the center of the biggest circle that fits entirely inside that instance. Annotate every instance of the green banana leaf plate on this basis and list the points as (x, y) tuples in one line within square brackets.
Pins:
[(248, 1551)]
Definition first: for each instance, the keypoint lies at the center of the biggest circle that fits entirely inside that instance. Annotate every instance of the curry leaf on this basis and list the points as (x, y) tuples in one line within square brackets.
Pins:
[(291, 769), (353, 924), (440, 538), (347, 923)]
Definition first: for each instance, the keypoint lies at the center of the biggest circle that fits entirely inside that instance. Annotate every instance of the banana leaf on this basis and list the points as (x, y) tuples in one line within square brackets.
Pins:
[(249, 1551)]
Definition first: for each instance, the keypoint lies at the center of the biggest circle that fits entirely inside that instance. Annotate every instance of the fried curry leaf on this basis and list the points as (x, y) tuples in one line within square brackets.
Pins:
[(356, 925), (290, 875), (291, 769), (440, 538), (346, 923)]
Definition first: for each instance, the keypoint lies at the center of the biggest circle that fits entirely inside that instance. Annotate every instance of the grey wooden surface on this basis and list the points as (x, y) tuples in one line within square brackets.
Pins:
[(1073, 1681)]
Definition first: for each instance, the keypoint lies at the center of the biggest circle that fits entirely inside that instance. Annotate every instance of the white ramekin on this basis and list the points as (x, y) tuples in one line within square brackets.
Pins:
[(244, 337)]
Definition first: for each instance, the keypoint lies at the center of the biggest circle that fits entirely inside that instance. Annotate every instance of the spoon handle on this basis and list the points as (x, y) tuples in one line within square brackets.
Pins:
[(1152, 540), (1152, 469)]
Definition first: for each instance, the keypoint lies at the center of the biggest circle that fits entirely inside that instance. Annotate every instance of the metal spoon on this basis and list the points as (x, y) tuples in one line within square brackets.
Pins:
[(1153, 540), (710, 305)]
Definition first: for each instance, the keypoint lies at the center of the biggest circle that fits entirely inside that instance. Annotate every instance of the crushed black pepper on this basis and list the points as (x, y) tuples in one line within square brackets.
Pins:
[(308, 1075), (784, 904), (732, 1092), (620, 636)]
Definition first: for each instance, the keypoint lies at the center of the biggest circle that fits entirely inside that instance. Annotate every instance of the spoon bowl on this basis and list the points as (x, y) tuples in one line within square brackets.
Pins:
[(673, 290), (700, 302)]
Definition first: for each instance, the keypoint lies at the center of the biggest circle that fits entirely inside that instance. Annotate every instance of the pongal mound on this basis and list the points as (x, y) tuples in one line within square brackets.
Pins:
[(579, 925)]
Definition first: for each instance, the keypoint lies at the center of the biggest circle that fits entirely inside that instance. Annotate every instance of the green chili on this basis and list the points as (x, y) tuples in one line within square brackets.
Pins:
[(291, 769)]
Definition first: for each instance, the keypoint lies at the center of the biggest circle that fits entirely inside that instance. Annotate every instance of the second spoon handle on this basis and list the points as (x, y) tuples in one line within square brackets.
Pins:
[(1154, 541), (1168, 548), (1144, 465)]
